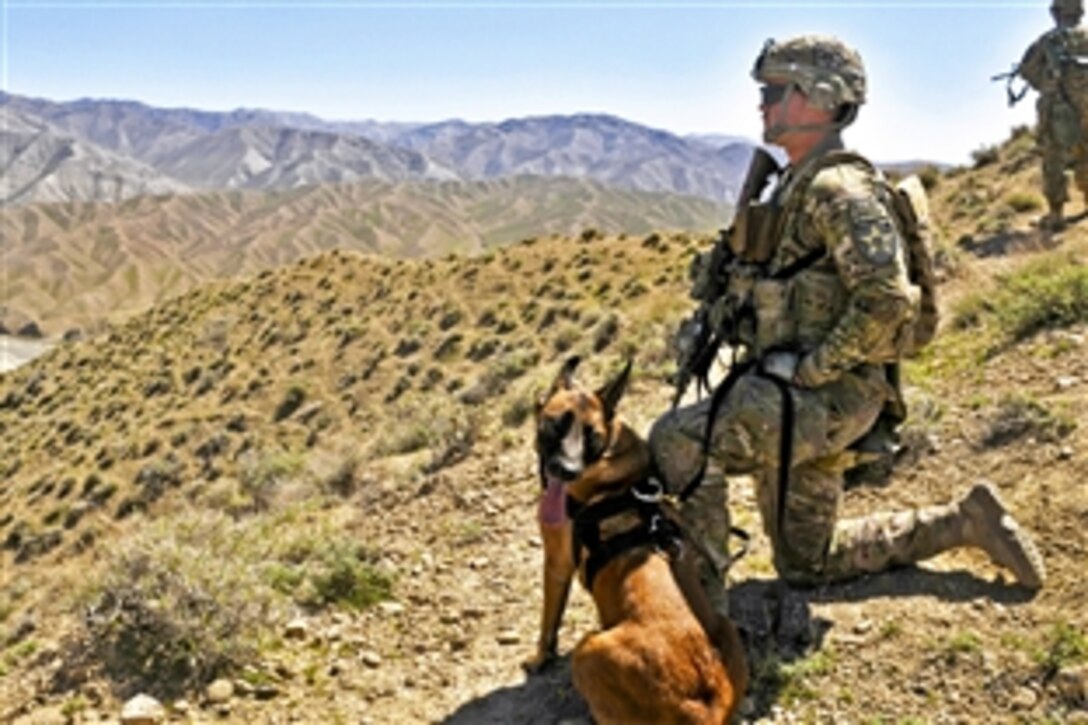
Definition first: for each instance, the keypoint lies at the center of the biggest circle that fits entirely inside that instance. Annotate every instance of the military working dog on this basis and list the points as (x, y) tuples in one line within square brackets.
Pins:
[(662, 655)]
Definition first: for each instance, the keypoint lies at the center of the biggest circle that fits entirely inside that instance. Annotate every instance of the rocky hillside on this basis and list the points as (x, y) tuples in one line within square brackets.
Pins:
[(309, 493), (76, 265), (43, 164)]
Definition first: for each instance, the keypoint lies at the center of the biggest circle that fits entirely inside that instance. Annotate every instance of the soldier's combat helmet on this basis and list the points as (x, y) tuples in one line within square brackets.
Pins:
[(1069, 11), (829, 73)]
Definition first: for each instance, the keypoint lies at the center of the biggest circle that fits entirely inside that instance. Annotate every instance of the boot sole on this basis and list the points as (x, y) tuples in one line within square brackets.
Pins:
[(1003, 539)]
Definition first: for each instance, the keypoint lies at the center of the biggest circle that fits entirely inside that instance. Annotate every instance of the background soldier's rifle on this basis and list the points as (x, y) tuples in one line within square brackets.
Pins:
[(1010, 77)]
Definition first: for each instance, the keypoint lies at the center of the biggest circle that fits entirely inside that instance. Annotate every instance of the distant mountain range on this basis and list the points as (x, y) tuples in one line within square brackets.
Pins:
[(77, 264), (108, 150)]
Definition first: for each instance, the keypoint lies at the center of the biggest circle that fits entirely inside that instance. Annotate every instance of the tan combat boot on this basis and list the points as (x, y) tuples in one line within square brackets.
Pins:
[(880, 540), (989, 526), (1052, 221)]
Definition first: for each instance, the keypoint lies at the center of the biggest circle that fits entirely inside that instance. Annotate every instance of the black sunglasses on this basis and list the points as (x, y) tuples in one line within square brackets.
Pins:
[(771, 94)]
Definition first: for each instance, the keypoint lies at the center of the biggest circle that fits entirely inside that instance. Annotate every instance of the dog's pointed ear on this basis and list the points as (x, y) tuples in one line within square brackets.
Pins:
[(563, 381), (613, 390)]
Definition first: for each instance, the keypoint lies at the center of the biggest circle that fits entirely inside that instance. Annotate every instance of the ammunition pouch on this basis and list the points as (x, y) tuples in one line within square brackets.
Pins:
[(752, 235), (775, 326), (818, 303)]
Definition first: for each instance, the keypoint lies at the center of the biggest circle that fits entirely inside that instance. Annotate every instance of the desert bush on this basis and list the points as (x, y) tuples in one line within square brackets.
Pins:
[(292, 400), (605, 332), (566, 337), (1065, 645), (513, 364), (984, 156), (930, 176), (1023, 201), (1047, 294), (263, 473), (338, 473), (342, 576), (517, 410), (176, 607), (1017, 416)]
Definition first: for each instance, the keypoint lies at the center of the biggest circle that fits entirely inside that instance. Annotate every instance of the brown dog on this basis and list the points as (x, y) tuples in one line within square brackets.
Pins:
[(663, 655)]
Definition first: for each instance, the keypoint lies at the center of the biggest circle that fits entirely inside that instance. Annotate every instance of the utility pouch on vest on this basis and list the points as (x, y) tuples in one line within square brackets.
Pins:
[(750, 225), (759, 241), (774, 324), (818, 302)]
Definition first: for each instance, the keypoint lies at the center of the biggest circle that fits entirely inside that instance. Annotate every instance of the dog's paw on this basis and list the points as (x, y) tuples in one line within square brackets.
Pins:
[(537, 663)]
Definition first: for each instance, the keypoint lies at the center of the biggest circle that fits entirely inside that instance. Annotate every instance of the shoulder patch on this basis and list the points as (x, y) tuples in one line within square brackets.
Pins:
[(872, 231)]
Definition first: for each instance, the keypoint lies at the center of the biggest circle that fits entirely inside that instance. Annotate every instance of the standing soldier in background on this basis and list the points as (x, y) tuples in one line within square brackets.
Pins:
[(813, 286), (1056, 65)]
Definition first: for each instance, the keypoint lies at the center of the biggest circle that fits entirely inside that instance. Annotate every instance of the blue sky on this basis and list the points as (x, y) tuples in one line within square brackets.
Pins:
[(680, 66)]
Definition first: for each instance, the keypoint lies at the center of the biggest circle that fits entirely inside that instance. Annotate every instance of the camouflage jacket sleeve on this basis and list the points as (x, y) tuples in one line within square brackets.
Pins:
[(846, 210), (1033, 65)]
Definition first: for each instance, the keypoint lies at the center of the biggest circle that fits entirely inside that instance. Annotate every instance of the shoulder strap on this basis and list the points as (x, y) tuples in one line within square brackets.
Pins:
[(808, 173)]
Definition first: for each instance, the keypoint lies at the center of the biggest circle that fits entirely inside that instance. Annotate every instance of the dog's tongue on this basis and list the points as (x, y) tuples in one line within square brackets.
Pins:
[(553, 504)]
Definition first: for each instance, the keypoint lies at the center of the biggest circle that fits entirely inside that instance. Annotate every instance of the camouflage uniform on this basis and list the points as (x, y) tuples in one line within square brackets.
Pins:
[(1056, 65), (841, 314)]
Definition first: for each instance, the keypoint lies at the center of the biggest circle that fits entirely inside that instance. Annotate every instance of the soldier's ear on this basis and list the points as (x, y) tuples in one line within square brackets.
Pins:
[(612, 391)]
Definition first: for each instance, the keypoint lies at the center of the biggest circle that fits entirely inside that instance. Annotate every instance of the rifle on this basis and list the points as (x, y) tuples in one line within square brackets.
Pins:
[(715, 320), (1009, 77)]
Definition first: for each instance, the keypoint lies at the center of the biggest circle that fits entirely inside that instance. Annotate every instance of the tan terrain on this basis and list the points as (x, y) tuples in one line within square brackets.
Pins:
[(308, 495)]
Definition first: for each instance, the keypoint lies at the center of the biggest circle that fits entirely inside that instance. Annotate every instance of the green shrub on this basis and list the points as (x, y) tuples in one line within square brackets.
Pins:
[(177, 607), (343, 578), (1023, 201), (263, 473), (984, 156), (1047, 294), (1066, 645)]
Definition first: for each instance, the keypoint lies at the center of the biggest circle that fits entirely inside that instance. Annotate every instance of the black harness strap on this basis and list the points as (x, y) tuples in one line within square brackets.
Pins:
[(715, 404), (654, 529), (785, 445), (799, 265)]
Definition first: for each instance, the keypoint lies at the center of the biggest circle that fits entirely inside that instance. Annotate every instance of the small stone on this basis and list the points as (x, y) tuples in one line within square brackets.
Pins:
[(267, 692), (391, 608), (297, 629), (1065, 382), (220, 691), (371, 659), (473, 613), (449, 618), (142, 710), (1073, 685), (1065, 453), (181, 707), (863, 626), (1024, 698), (508, 637)]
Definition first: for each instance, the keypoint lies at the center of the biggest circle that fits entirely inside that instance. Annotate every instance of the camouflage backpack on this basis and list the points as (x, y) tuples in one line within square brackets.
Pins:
[(912, 209)]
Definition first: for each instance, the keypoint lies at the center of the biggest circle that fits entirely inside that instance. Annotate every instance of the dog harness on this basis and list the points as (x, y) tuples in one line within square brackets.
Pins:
[(654, 529)]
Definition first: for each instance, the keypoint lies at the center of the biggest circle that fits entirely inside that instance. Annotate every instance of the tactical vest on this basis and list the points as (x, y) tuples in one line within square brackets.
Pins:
[(797, 296)]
